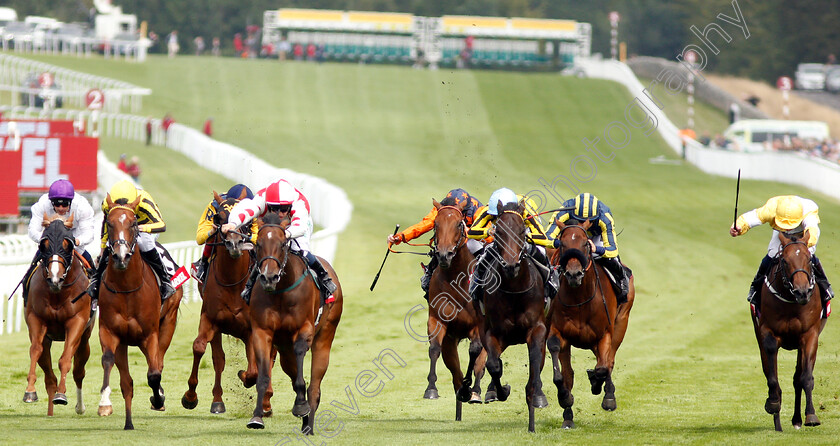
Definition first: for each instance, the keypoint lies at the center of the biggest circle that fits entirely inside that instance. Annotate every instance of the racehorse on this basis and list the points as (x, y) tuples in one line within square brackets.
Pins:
[(451, 316), (130, 311), (789, 318), (584, 314), (514, 308), (285, 313), (223, 311), (52, 316)]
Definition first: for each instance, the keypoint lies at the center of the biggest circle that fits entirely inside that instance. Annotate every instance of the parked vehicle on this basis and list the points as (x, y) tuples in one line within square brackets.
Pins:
[(756, 135), (809, 76), (832, 80)]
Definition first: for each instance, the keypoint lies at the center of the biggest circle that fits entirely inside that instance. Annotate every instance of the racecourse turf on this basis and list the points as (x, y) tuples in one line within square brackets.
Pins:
[(394, 138)]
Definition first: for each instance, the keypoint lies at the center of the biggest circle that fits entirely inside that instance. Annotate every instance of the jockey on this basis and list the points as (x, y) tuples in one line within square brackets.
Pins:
[(482, 229), (206, 229), (150, 225), (284, 199), (454, 198), (602, 239), (789, 214), (63, 200)]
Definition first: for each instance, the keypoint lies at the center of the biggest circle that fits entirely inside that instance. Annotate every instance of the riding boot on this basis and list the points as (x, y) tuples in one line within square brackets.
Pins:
[(622, 282), (249, 285), (755, 288), (96, 277), (551, 278), (152, 257), (427, 276), (200, 269), (477, 278), (819, 274), (26, 277), (323, 277), (91, 266)]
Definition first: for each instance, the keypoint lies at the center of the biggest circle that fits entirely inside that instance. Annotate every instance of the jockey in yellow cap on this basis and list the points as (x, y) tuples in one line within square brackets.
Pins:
[(150, 225), (791, 215)]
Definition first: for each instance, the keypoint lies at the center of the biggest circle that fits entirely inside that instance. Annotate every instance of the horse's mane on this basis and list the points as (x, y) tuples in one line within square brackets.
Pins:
[(275, 219)]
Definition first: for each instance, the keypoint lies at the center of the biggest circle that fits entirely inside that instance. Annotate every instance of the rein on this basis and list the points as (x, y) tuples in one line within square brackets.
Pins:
[(787, 279)]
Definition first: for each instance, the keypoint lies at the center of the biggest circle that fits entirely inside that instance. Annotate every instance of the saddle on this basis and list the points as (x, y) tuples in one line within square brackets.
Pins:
[(616, 286)]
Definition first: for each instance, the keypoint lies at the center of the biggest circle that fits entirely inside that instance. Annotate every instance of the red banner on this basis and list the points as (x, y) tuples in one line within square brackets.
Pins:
[(9, 181), (45, 160), (35, 127)]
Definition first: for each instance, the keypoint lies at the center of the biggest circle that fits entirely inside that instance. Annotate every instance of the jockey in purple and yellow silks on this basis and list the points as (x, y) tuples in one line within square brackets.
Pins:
[(454, 198), (789, 214), (482, 229)]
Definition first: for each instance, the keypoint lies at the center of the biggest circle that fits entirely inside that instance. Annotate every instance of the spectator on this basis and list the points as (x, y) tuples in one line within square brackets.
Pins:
[(238, 47), (283, 49), (121, 164), (153, 41), (199, 45), (172, 43), (734, 112), (217, 47), (298, 51), (165, 124), (208, 127), (705, 139), (832, 60), (319, 53), (149, 130), (134, 169), (310, 52)]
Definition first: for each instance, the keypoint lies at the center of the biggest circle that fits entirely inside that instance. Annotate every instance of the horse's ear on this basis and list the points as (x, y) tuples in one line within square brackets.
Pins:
[(436, 204), (109, 201), (499, 205), (782, 237), (243, 193), (46, 221), (586, 224), (69, 222), (521, 207), (260, 223), (559, 223), (806, 236), (217, 197), (133, 205)]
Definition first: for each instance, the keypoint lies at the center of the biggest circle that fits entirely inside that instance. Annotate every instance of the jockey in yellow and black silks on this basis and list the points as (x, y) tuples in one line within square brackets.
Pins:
[(602, 237), (149, 224), (455, 197), (482, 229), (789, 214)]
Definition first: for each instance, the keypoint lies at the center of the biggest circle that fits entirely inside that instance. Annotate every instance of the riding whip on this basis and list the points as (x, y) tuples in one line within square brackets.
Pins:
[(737, 192), (375, 279)]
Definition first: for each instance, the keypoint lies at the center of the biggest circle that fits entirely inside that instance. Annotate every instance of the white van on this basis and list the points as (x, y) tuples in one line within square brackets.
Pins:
[(755, 135)]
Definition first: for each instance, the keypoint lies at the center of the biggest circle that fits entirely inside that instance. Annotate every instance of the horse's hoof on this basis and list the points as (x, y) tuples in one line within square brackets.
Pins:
[(189, 404), (104, 411), (267, 413), (301, 410), (431, 394), (157, 407), (464, 394), (772, 407), (490, 397), (504, 392), (566, 402), (475, 398), (80, 409), (608, 404), (247, 382), (30, 397), (60, 398), (129, 426), (217, 407), (540, 401), (256, 423), (568, 424), (812, 420)]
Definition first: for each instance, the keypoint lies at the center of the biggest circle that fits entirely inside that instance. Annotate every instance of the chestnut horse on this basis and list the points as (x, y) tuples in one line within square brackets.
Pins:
[(130, 311), (451, 316), (514, 308), (223, 311), (52, 316), (789, 318), (284, 310), (584, 315)]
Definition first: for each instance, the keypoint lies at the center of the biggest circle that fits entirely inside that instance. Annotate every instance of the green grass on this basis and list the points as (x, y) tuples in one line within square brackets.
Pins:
[(707, 119), (394, 138)]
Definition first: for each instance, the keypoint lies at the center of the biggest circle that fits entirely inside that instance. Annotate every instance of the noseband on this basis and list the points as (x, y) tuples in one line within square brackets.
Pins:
[(61, 257), (462, 236), (112, 244), (583, 256), (522, 252), (281, 264), (787, 279)]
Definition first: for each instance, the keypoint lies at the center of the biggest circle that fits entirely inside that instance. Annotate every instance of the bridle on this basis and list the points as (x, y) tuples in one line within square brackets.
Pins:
[(787, 279), (566, 254), (62, 257), (285, 249), (112, 244), (522, 251), (462, 233)]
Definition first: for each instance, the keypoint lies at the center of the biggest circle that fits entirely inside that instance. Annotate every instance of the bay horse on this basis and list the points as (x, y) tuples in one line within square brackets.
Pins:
[(284, 311), (52, 316), (514, 308), (130, 311), (584, 314), (223, 311), (790, 318), (451, 315)]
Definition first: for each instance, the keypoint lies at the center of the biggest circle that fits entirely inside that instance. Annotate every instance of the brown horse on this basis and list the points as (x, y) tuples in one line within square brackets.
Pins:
[(130, 311), (52, 316), (584, 315), (451, 316), (223, 311), (284, 311), (513, 308), (789, 318)]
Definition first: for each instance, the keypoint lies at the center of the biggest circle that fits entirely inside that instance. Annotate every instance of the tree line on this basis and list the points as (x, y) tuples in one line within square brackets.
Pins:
[(782, 33)]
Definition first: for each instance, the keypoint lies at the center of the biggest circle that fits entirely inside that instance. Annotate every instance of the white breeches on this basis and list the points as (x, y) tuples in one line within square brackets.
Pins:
[(146, 241)]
